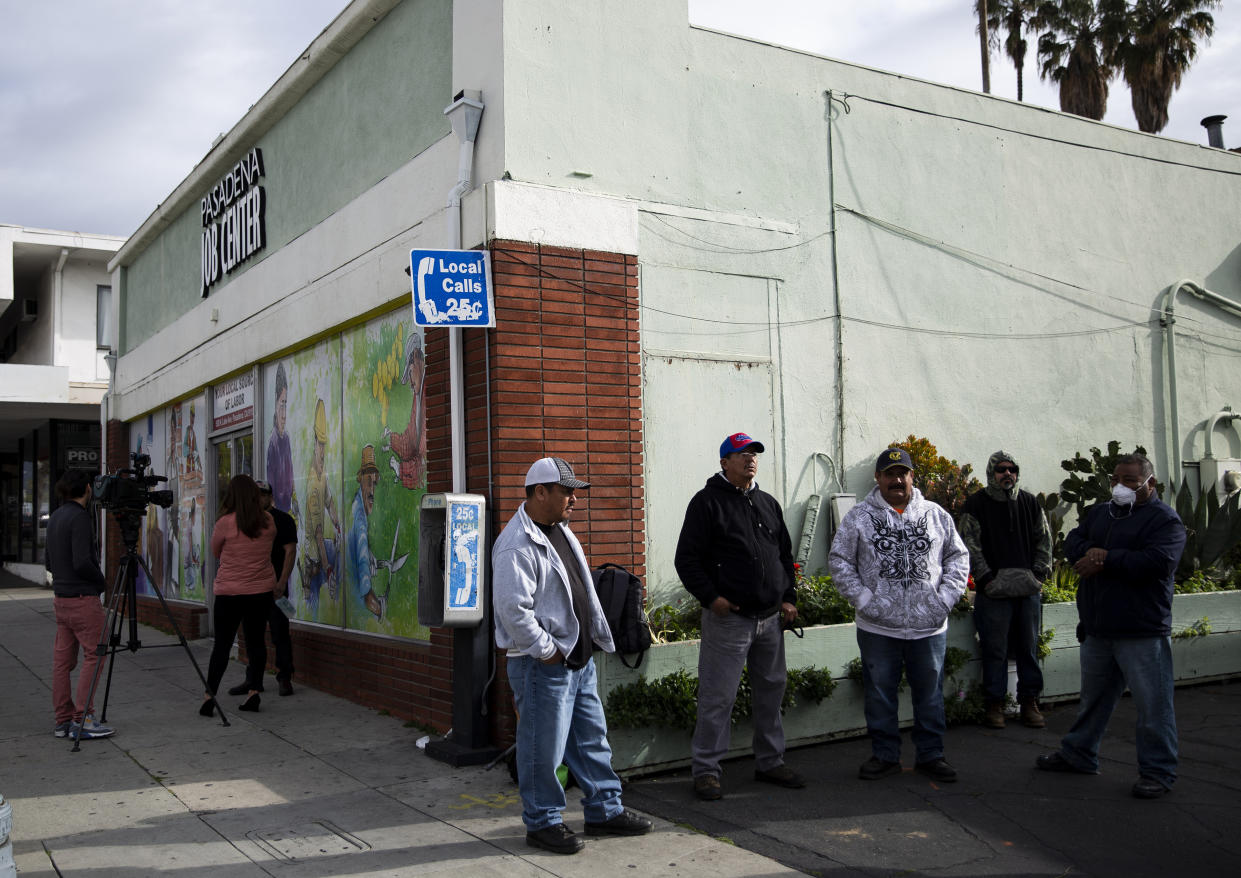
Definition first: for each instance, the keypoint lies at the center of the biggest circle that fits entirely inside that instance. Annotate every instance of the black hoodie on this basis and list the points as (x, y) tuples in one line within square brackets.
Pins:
[(734, 545)]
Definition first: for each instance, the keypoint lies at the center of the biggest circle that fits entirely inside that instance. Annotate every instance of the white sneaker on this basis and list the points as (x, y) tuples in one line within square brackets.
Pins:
[(90, 729)]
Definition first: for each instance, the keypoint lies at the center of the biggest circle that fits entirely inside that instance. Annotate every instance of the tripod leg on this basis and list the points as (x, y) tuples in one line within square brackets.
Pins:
[(108, 636), (175, 627)]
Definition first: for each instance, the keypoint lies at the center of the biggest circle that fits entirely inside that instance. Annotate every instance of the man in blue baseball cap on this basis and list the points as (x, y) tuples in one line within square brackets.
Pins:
[(735, 556)]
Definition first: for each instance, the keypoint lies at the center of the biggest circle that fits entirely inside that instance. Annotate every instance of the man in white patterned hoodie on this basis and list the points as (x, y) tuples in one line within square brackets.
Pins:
[(898, 560)]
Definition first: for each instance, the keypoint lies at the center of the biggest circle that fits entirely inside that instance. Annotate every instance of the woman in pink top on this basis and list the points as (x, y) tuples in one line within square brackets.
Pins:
[(244, 586)]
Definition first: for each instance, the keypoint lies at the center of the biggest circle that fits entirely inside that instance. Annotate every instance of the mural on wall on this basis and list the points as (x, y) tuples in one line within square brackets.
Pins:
[(188, 550), (142, 440), (302, 449), (385, 455), (173, 540)]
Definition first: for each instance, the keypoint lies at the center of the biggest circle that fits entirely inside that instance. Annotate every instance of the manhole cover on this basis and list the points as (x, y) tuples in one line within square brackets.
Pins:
[(318, 838)]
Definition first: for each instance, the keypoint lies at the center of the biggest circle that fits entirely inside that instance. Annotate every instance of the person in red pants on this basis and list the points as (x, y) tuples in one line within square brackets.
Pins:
[(77, 583)]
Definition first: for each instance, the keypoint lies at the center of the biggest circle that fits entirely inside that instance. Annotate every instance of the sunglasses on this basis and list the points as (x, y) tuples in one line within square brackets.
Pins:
[(1000, 470)]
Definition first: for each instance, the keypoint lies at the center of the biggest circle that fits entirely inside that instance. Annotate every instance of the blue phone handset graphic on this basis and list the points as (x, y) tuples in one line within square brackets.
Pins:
[(427, 306)]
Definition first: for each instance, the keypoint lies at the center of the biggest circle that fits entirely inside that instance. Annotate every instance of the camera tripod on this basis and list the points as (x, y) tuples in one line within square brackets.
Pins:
[(124, 602)]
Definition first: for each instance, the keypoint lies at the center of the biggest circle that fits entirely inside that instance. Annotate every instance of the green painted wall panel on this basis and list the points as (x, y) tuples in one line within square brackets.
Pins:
[(377, 109)]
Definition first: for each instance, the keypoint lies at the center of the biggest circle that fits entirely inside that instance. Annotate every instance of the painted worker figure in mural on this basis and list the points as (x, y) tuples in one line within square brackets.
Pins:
[(549, 619), (361, 561), (320, 557), (189, 447), (193, 552), (154, 540), (735, 556), (283, 557), (77, 583), (279, 448), (1126, 552), (409, 447), (898, 560), (173, 459), (1010, 555)]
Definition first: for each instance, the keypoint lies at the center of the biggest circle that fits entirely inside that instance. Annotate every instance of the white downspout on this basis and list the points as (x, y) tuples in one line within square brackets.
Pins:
[(58, 297), (1167, 320), (465, 113)]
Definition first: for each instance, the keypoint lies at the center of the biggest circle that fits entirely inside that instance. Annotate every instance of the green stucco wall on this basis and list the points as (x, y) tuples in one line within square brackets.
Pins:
[(380, 106)]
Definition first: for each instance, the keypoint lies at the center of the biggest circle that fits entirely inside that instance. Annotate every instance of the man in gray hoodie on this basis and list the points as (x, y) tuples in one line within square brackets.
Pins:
[(1010, 556), (898, 560)]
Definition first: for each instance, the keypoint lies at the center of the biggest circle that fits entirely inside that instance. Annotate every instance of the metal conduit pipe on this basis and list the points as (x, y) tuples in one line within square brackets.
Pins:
[(1225, 414), (464, 113), (1167, 320)]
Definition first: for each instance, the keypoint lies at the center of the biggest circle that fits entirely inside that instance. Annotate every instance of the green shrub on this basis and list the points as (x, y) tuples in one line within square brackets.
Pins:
[(671, 701), (940, 480)]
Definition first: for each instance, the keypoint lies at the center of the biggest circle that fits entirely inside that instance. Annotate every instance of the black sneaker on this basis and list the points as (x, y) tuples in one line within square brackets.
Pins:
[(781, 776), (875, 768), (557, 838), (286, 688), (624, 823), (938, 769), (1057, 762), (243, 689), (1148, 788)]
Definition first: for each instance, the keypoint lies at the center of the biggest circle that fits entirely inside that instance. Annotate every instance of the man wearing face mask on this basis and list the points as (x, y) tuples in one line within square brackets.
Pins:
[(1126, 552), (1010, 556)]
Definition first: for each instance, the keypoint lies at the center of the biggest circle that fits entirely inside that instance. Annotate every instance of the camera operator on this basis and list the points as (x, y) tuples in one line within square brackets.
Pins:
[(77, 583)]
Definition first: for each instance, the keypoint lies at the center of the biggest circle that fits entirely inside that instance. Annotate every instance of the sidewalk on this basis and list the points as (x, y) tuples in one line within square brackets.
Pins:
[(311, 785)]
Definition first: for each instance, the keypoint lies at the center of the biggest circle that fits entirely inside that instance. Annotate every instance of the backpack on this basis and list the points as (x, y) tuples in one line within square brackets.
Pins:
[(620, 594)]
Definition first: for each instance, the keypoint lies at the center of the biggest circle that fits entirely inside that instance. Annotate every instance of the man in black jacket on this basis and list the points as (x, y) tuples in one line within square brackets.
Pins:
[(735, 556), (1010, 556), (1126, 552), (77, 583)]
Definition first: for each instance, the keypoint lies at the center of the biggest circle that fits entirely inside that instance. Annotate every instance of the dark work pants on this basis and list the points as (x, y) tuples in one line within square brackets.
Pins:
[(279, 623)]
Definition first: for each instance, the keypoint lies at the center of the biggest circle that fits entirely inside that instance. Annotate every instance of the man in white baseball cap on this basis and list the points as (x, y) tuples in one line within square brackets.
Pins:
[(549, 619)]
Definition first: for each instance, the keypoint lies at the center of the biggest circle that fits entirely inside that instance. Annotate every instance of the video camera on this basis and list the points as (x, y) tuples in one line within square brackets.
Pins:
[(129, 490)]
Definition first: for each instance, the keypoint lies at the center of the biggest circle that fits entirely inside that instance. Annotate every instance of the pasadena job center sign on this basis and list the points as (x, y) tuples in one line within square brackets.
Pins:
[(234, 219), (452, 288)]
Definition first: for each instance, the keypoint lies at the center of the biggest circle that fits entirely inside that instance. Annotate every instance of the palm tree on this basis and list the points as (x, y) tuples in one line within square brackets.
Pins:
[(1076, 51), (1012, 16), (984, 40), (1156, 50)]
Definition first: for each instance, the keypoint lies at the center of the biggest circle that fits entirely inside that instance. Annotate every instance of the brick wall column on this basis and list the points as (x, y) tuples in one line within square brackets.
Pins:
[(559, 375)]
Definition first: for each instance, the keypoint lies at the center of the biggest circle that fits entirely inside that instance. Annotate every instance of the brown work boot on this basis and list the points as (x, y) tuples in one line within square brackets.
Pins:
[(1030, 715), (375, 604), (995, 715)]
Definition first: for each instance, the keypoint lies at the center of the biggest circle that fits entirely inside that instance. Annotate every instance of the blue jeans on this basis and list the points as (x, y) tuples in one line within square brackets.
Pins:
[(729, 644), (1145, 665), (1008, 625), (923, 662), (560, 719)]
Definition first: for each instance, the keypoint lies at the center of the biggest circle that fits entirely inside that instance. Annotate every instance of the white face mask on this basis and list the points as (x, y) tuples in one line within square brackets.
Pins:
[(1123, 496)]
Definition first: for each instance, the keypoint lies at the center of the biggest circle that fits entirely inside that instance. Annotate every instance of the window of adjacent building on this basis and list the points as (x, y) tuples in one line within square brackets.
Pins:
[(103, 315)]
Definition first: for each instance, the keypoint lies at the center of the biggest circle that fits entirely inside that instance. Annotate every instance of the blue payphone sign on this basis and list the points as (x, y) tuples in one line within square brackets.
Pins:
[(452, 287), (464, 558)]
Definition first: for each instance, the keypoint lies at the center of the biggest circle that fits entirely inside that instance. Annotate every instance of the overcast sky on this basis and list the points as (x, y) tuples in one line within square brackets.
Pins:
[(106, 105)]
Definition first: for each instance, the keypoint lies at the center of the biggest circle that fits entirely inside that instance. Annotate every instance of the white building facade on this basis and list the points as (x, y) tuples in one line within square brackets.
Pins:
[(825, 256)]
